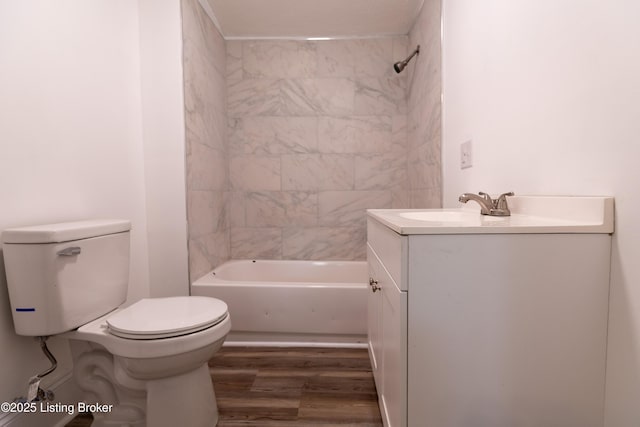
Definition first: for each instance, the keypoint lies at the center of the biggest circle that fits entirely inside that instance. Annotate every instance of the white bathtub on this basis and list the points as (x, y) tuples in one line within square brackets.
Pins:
[(291, 302)]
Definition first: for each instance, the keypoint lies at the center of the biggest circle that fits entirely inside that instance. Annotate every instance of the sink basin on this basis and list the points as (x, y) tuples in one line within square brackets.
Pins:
[(440, 216), (452, 216)]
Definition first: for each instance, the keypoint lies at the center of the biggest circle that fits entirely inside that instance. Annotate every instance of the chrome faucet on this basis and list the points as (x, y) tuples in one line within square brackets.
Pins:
[(489, 206)]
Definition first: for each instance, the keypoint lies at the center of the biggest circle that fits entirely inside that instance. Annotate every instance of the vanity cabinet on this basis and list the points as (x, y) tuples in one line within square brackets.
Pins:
[(488, 330), (387, 341)]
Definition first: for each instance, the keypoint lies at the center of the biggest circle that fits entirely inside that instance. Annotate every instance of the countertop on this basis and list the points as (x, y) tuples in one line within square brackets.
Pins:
[(529, 215)]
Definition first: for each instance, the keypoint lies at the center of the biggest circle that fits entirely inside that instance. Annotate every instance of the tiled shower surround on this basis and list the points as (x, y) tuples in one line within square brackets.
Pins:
[(318, 132), (424, 110), (206, 148)]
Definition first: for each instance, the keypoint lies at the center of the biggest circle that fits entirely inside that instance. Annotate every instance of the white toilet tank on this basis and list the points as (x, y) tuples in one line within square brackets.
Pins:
[(61, 276)]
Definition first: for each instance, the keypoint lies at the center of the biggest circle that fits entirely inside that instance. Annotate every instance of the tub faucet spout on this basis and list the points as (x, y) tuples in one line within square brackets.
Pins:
[(488, 206)]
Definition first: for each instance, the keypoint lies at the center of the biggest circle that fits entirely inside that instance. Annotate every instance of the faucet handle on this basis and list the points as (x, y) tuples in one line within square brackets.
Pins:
[(500, 205), (485, 196), (502, 200)]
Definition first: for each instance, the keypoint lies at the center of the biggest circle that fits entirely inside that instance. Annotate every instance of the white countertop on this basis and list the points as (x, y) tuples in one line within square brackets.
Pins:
[(529, 214)]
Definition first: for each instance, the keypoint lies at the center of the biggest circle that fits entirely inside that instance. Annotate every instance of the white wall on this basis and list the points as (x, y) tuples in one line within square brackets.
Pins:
[(164, 145), (549, 93), (71, 140)]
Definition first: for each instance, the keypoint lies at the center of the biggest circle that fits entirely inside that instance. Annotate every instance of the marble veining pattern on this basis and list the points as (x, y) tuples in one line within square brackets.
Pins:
[(256, 243), (317, 133), (379, 171), (205, 74), (207, 167), (309, 172), (280, 59), (384, 95), (348, 208), (288, 142), (253, 97), (320, 131), (303, 97), (355, 134), (424, 108), (234, 60), (324, 243), (254, 173), (276, 135), (281, 208)]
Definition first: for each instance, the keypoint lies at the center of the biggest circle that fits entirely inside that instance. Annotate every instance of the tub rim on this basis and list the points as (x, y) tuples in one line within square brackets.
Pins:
[(211, 278)]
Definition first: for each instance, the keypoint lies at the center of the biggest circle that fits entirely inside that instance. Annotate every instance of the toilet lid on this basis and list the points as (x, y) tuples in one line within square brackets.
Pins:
[(152, 318)]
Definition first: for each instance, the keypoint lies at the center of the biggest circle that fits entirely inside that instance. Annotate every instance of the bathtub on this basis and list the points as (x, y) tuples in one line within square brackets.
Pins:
[(309, 303)]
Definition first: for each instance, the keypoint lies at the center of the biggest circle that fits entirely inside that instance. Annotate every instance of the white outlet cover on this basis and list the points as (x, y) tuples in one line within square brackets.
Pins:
[(466, 157)]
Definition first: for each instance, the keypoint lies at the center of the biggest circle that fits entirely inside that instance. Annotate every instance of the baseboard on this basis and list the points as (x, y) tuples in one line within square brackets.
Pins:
[(293, 344), (66, 393), (261, 339)]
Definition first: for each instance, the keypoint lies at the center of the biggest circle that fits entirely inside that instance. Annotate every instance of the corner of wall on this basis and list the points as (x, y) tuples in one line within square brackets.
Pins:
[(162, 97)]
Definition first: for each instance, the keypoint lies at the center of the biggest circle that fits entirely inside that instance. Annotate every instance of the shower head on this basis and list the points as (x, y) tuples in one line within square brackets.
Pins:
[(400, 65)]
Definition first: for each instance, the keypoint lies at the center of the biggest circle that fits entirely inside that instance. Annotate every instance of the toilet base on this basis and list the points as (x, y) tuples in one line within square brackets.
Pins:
[(184, 398), (169, 405)]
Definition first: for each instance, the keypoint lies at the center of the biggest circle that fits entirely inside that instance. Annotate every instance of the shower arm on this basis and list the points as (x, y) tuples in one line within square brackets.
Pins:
[(400, 65), (414, 53)]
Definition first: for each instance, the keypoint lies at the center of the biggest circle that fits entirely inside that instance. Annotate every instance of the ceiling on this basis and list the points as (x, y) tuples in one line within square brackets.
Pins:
[(313, 18)]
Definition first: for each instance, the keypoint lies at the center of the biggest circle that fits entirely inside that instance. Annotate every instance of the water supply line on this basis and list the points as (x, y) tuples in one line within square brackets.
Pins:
[(50, 356), (35, 392)]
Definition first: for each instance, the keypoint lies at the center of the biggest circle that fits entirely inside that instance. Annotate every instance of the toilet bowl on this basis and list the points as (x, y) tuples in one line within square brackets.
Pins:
[(152, 356), (146, 364)]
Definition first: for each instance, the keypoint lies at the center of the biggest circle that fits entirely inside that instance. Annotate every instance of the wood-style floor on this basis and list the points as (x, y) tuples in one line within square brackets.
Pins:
[(292, 387)]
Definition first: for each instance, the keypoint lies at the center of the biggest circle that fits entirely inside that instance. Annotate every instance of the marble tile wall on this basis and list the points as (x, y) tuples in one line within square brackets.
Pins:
[(204, 62), (317, 133), (424, 117), (288, 142)]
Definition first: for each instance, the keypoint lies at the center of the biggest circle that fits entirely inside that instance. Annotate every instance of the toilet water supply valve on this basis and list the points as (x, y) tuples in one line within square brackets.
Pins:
[(35, 392)]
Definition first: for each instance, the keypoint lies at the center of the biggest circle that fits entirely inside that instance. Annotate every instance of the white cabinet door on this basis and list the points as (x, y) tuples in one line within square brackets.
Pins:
[(374, 323), (507, 330), (388, 343), (394, 353)]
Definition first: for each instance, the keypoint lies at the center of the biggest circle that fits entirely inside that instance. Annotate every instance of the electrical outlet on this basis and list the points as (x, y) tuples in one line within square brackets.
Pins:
[(466, 158)]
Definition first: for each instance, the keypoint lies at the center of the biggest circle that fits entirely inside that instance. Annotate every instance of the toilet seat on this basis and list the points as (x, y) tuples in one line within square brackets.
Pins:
[(97, 331), (157, 318)]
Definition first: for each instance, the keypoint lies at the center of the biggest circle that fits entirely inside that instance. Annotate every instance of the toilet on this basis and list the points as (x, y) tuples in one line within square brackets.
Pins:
[(141, 365)]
